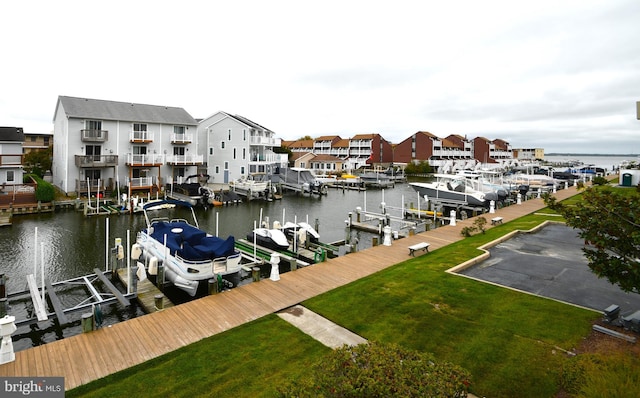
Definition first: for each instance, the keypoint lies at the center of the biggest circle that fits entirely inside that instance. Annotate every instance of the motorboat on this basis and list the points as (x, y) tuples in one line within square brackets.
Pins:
[(302, 180), (481, 182), (192, 189), (252, 187), (451, 187), (303, 230), (189, 255), (273, 238)]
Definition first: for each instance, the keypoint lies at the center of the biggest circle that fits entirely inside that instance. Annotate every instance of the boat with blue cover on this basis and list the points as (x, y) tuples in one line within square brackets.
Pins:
[(190, 256)]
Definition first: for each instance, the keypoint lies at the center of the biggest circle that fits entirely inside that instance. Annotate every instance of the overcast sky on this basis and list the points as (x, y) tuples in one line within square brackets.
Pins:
[(560, 75)]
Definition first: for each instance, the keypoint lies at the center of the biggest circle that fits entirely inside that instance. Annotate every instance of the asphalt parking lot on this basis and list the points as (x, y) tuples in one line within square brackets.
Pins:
[(550, 263)]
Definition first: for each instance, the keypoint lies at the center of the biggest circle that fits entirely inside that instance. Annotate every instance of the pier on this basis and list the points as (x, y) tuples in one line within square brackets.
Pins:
[(146, 293), (89, 356)]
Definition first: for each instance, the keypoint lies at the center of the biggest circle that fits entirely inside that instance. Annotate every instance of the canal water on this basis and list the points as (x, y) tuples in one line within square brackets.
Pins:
[(72, 244)]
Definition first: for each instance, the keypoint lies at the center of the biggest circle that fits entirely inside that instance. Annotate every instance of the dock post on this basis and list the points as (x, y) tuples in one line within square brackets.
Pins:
[(212, 286), (452, 217), (255, 274), (87, 322), (158, 301), (3, 307), (519, 199), (358, 209), (133, 278), (160, 276), (374, 241), (387, 236), (492, 207), (7, 327), (3, 284)]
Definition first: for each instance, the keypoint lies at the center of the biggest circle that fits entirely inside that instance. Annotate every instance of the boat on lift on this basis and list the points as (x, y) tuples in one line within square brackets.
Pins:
[(302, 229), (455, 188), (190, 256), (271, 238)]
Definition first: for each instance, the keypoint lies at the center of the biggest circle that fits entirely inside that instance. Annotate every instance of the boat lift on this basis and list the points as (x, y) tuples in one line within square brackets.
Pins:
[(98, 286)]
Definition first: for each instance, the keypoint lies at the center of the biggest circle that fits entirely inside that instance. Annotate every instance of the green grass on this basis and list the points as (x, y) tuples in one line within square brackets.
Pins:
[(508, 340)]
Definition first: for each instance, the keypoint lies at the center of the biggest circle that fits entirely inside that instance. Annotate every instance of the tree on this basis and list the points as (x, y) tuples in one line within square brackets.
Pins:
[(38, 162), (380, 370), (608, 221)]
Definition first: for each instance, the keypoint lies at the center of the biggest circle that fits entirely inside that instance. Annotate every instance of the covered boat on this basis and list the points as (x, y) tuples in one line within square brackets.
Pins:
[(190, 255), (273, 239), (451, 187)]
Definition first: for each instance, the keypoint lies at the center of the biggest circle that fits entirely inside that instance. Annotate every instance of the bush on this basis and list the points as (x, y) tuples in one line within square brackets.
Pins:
[(478, 225), (45, 192), (380, 370), (599, 180)]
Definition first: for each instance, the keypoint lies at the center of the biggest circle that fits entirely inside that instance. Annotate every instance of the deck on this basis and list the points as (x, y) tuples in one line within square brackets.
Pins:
[(83, 358)]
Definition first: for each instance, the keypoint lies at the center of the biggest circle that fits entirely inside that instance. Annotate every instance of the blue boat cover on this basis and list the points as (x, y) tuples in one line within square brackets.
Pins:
[(192, 243)]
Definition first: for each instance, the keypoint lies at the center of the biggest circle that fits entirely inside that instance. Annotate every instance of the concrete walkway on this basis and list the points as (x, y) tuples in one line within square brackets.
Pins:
[(321, 329)]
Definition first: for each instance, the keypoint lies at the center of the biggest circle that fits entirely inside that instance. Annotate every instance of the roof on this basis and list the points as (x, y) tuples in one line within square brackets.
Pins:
[(15, 134), (248, 122), (326, 158), (343, 143), (327, 138), (302, 144), (124, 111)]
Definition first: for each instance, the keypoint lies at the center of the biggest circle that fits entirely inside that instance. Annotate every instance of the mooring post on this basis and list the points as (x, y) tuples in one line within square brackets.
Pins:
[(492, 207), (212, 285), (3, 284), (387, 236), (7, 327), (160, 276), (133, 278), (3, 307), (255, 274), (519, 199), (452, 218), (158, 300), (358, 210), (87, 322), (275, 272)]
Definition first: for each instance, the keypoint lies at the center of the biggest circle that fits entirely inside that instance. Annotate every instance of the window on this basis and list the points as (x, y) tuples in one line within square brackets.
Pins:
[(93, 150), (226, 165), (229, 131), (179, 129), (10, 176), (222, 144), (46, 141), (33, 138), (139, 150), (242, 170), (234, 153), (139, 127), (244, 153), (93, 125), (211, 151), (217, 169), (244, 134), (178, 150)]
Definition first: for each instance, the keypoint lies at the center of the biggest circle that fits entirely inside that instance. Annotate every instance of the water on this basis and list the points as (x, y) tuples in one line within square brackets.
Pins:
[(608, 162), (73, 245)]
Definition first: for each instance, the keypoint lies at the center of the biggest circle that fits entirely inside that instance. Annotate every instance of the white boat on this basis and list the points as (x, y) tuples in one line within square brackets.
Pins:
[(302, 180), (273, 239), (190, 256), (303, 230), (451, 187), (251, 187)]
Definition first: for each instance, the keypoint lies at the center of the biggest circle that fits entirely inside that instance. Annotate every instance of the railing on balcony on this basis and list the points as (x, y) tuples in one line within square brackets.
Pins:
[(258, 140), (141, 182), (10, 160), (145, 160), (182, 138), (141, 136), (96, 161), (92, 185), (93, 135), (269, 158), (185, 159)]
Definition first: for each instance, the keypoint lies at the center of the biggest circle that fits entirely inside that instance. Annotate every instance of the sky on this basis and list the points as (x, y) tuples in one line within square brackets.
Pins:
[(561, 75)]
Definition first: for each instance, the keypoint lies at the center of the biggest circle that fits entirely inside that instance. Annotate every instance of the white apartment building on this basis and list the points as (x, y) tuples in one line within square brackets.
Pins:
[(235, 147), (11, 140), (121, 144)]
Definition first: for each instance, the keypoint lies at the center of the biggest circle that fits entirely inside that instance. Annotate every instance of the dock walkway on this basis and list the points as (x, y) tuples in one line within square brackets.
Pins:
[(89, 356)]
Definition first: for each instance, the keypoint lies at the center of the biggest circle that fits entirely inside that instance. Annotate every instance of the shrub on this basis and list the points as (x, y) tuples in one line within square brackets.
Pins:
[(599, 180), (45, 192), (380, 370)]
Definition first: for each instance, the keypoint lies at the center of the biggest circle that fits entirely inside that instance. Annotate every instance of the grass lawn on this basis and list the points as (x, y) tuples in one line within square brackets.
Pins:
[(511, 342)]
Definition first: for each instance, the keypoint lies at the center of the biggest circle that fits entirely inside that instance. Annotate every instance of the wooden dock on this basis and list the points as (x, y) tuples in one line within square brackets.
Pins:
[(86, 357), (146, 293)]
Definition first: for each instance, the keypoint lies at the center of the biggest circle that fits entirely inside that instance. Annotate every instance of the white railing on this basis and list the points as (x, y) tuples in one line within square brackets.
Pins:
[(258, 140), (141, 182), (145, 159), (141, 136), (185, 159), (182, 137)]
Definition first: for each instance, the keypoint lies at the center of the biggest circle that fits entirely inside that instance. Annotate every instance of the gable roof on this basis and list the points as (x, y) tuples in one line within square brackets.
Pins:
[(326, 158), (15, 134), (248, 122), (124, 111)]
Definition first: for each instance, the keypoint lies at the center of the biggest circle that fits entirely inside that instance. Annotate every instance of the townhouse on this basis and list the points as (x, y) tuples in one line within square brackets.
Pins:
[(11, 140), (235, 147), (121, 144)]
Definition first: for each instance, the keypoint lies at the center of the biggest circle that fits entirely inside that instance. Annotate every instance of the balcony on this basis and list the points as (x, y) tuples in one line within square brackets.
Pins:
[(10, 160), (145, 160), (96, 161), (141, 182), (181, 138), (141, 136), (84, 186), (185, 160), (93, 135), (267, 141)]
